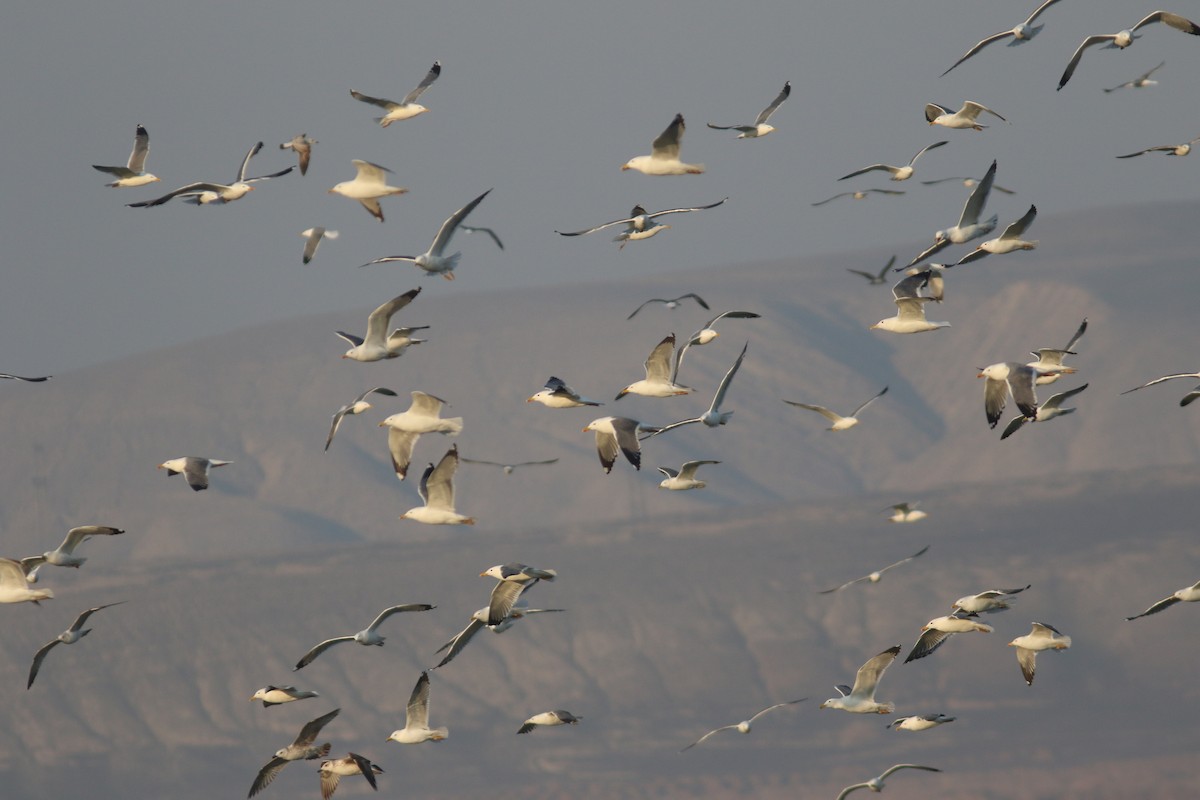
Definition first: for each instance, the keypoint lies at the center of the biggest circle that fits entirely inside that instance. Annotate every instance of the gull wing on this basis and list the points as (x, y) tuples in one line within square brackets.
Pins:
[(1074, 62), (246, 162), (977, 200), (456, 645), (141, 149), (445, 232), (995, 37), (379, 319), (78, 535), (1174, 20), (375, 101), (267, 774), (766, 113), (869, 674), (666, 146), (1015, 230), (308, 657), (417, 713), (1166, 602), (719, 398), (710, 733), (658, 363), (425, 404), (425, 83), (822, 410), (872, 400), (933, 111), (504, 597), (688, 470), (191, 188), (400, 609), (439, 481), (929, 641), (46, 648), (1057, 400)]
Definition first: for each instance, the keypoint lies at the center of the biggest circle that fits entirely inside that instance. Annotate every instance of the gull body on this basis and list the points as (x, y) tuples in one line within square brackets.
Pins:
[(302, 146), (1007, 242), (194, 468), (897, 173), (331, 772), (368, 186), (664, 154), (375, 345), (617, 435), (204, 192), (1021, 33), (1189, 594), (14, 586), (714, 416), (1041, 637), (861, 698), (919, 723), (1123, 38), (988, 601), (358, 406), (549, 718), (70, 636), (906, 512), (301, 748), (657, 382), (406, 108), (278, 695), (437, 492), (368, 636), (760, 126), (434, 260), (422, 416), (557, 394), (134, 172), (1045, 412), (684, 478), (965, 117), (745, 725), (416, 723), (840, 423)]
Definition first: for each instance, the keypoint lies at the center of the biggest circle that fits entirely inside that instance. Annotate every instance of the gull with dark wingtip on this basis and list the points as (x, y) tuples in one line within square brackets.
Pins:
[(367, 636), (1189, 594), (1021, 33), (745, 725), (897, 173), (204, 192), (641, 225), (760, 126), (877, 575), (840, 423), (358, 406), (965, 117), (70, 636), (302, 146), (301, 748), (664, 154), (1123, 38), (312, 240), (861, 698), (194, 468), (134, 172), (434, 261), (406, 108), (368, 186)]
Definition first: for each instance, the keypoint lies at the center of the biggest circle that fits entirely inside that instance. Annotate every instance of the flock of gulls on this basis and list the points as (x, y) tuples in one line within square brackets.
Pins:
[(920, 282)]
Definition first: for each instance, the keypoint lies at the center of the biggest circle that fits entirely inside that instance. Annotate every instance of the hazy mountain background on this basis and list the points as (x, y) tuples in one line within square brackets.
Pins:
[(685, 610)]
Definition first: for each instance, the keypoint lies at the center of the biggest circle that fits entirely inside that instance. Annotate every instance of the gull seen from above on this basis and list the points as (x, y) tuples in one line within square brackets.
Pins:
[(331, 772), (406, 108), (1169, 149), (684, 478), (965, 117), (1006, 242), (377, 345), (858, 195), (301, 748), (861, 698), (1189, 594), (1050, 359), (874, 278), (876, 783), (134, 172), (969, 227), (557, 394), (987, 602), (194, 468), (670, 304)]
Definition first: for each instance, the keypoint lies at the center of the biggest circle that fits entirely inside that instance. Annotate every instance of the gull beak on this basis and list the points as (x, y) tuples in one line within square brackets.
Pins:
[(382, 424), (529, 400), (624, 167)]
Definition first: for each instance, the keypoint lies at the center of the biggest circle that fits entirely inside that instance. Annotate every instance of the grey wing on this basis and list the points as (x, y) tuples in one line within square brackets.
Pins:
[(457, 644), (488, 231), (766, 113), (367, 769), (1166, 602), (627, 440), (329, 782), (266, 775), (268, 177), (1021, 381), (481, 461), (350, 337), (504, 597), (11, 377), (191, 188), (371, 204), (446, 232), (693, 295), (667, 143), (425, 83), (400, 609), (831, 199), (83, 618), (1174, 20), (872, 168), (310, 243), (911, 307), (312, 728), (910, 285), (1163, 378), (1074, 62), (379, 319), (872, 400), (868, 674), (1013, 426), (822, 410), (657, 364), (41, 655), (1039, 11), (1078, 335), (375, 390), (375, 101), (606, 448), (844, 585), (683, 211), (337, 422), (195, 471), (994, 37), (669, 471), (689, 468), (1028, 661), (917, 554), (120, 172), (308, 657), (995, 395), (777, 705), (926, 149), (666, 428), (933, 111), (643, 305), (719, 398), (977, 200), (932, 251), (82, 533), (624, 221), (705, 736), (437, 484), (1015, 230), (246, 161), (141, 148), (975, 255), (1057, 400), (418, 703), (896, 767), (930, 640), (426, 404)]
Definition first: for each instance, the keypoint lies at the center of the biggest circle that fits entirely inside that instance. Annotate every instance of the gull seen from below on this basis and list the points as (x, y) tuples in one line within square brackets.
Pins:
[(301, 748), (203, 192), (641, 225), (877, 575), (938, 630), (861, 698), (134, 172), (331, 772), (437, 493), (1139, 82), (840, 423), (965, 117), (1169, 149), (70, 636), (744, 725), (1045, 412), (406, 108), (1041, 637), (368, 186), (14, 586), (1189, 594), (873, 278), (760, 126), (905, 512), (670, 304), (422, 416), (1050, 359), (1123, 38), (433, 260), (876, 783), (357, 406), (549, 718), (658, 381), (1021, 33), (987, 602), (919, 723), (969, 227), (618, 435), (312, 240), (664, 154), (714, 416), (684, 478), (367, 636), (194, 468), (1007, 242), (377, 345), (898, 173), (557, 394)]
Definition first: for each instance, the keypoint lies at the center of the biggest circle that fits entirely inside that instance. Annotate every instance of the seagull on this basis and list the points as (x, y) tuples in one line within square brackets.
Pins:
[(134, 173), (873, 278), (406, 108), (840, 423), (1045, 412), (906, 512), (422, 416), (1169, 149), (617, 435), (557, 394), (684, 478), (931, 277), (11, 377), (664, 155), (965, 117), (301, 748), (1188, 595), (509, 468), (203, 193), (70, 636), (1041, 637), (512, 580), (416, 722), (367, 636), (1009, 377), (1007, 242), (359, 405), (368, 186), (760, 126), (876, 783), (969, 227), (919, 723), (1187, 398), (1139, 82), (898, 173), (714, 416), (479, 621), (1123, 38), (194, 469), (1049, 359), (861, 699), (1023, 32), (858, 195), (969, 183), (302, 146), (278, 695), (640, 225), (331, 772), (657, 382), (437, 492), (875, 576), (432, 260), (670, 304), (14, 586), (556, 717), (64, 554), (706, 335), (987, 602), (744, 725), (377, 346), (313, 237), (910, 317), (938, 630)]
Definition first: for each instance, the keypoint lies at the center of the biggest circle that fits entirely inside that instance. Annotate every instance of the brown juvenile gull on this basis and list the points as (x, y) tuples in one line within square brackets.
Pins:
[(194, 469), (876, 783), (331, 772), (422, 416), (664, 154), (1021, 33), (618, 435), (14, 587), (1189, 594), (557, 394), (377, 345), (134, 172), (1041, 637), (938, 630), (203, 192), (640, 225), (406, 108), (760, 126), (278, 695), (312, 240), (301, 748), (358, 406), (658, 382), (64, 554), (875, 576), (302, 146), (367, 636), (670, 304), (897, 173), (744, 725), (433, 260), (70, 636), (1123, 38), (861, 698), (547, 718), (368, 186), (840, 423), (416, 721), (437, 494)]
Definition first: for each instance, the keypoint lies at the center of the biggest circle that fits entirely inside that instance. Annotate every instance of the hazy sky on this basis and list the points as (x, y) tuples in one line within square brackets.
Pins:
[(542, 102)]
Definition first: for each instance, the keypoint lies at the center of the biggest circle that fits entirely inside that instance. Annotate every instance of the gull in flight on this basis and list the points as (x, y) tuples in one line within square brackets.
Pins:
[(70, 636), (1041, 637), (437, 493), (302, 146), (840, 423), (1187, 398), (1123, 38), (987, 602), (875, 278), (875, 576), (705, 335), (369, 184), (898, 173), (134, 173), (1050, 360), (194, 468), (910, 306), (919, 723), (744, 725), (64, 554), (1169, 149), (416, 721), (376, 346), (549, 718), (432, 260), (1007, 377), (937, 631), (916, 279), (479, 621), (1007, 242), (664, 154), (203, 192), (1139, 82), (658, 382), (618, 435), (301, 748), (509, 468), (858, 195), (406, 108), (278, 695), (10, 377), (1023, 32), (640, 224), (760, 126), (671, 304), (965, 117), (557, 394), (906, 512), (513, 579), (876, 783), (312, 240), (861, 698), (969, 183), (422, 416), (684, 478), (367, 636), (1187, 595), (333, 771), (969, 227), (714, 416), (14, 585), (1046, 411), (358, 406)]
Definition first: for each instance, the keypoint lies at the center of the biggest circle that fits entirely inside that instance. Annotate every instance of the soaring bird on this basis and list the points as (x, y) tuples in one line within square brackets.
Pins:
[(987, 602), (437, 493), (919, 723), (714, 416), (422, 416), (876, 783), (367, 636), (670, 303), (368, 186), (1187, 398), (861, 698), (70, 636), (618, 435), (14, 586), (278, 695), (640, 225), (877, 575), (479, 621), (134, 172), (301, 748), (194, 468), (969, 227), (1046, 411), (1050, 359), (745, 725), (860, 194), (203, 192), (377, 345), (1041, 637), (1009, 377), (549, 718), (875, 278), (1189, 594), (684, 478), (1006, 242), (302, 146), (312, 240), (557, 394), (760, 126), (935, 632), (358, 406), (1021, 33), (1139, 82), (897, 173), (1123, 38), (906, 512), (658, 382), (434, 261), (664, 154), (406, 108), (64, 554), (705, 335), (416, 721), (840, 423), (965, 117), (509, 469), (1170, 149)]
